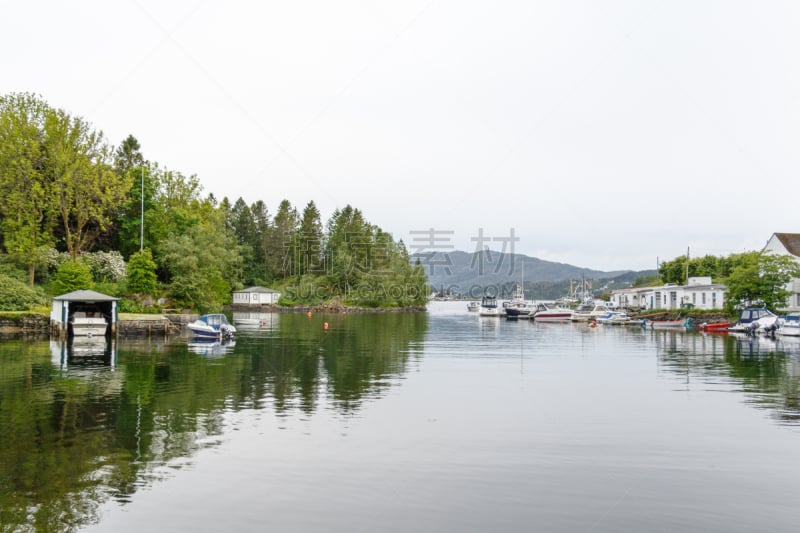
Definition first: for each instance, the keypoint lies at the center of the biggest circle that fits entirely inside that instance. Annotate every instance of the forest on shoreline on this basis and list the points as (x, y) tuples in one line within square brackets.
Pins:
[(78, 213)]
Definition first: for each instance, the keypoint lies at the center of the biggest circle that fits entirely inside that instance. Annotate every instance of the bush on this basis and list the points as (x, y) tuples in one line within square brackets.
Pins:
[(105, 266), (10, 269), (142, 273), (16, 295), (71, 276)]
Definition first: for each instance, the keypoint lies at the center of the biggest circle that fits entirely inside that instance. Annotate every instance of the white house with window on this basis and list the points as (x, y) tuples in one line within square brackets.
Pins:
[(787, 244), (699, 293), (256, 296)]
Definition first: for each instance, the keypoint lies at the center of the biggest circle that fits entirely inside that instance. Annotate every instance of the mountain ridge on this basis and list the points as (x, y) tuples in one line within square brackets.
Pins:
[(472, 273)]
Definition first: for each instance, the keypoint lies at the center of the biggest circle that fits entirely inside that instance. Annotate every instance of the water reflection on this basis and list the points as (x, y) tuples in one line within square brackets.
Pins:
[(83, 422), (765, 368), (262, 322), (83, 351), (211, 348)]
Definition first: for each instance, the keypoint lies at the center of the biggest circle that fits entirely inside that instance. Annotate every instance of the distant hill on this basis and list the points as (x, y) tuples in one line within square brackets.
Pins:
[(471, 274)]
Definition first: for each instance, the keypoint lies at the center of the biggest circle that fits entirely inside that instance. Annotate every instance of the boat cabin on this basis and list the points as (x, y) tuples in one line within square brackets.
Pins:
[(489, 302), (751, 314)]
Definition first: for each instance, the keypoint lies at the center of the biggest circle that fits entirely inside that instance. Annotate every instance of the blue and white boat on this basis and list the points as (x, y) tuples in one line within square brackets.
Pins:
[(212, 326), (756, 320)]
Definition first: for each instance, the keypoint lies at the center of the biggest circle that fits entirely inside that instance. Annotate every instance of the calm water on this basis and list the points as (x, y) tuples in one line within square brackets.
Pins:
[(442, 421)]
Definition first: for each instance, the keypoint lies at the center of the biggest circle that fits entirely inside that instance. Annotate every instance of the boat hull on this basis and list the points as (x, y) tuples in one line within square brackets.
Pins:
[(552, 317), (668, 324)]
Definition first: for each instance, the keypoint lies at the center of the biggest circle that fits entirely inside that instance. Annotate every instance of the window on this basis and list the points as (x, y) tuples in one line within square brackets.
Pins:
[(694, 297), (703, 298)]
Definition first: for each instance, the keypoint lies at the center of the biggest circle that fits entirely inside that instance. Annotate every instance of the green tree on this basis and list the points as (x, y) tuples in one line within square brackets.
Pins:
[(309, 241), (259, 272), (86, 190), (25, 198), (282, 244), (128, 155), (203, 265), (142, 273), (760, 279), (673, 271), (646, 281), (71, 276), (177, 206)]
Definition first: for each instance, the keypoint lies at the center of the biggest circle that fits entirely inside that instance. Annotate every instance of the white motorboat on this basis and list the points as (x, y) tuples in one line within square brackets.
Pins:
[(212, 326), (473, 306), (589, 311), (756, 320), (489, 306), (550, 313), (614, 318), (87, 324)]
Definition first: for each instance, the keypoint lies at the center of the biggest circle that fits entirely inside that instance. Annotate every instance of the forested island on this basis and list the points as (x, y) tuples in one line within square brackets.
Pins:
[(78, 213)]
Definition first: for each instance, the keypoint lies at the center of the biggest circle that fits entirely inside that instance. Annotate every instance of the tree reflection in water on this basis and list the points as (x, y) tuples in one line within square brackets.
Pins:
[(82, 424)]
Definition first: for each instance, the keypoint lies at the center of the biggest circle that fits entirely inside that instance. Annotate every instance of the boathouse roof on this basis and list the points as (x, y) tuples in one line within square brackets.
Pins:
[(85, 296), (258, 289)]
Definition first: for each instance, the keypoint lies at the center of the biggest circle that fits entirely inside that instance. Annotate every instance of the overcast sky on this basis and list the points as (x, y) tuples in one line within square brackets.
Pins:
[(604, 134)]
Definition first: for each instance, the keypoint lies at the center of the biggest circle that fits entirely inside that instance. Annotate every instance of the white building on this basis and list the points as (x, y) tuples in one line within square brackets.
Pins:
[(787, 244), (256, 296), (699, 293)]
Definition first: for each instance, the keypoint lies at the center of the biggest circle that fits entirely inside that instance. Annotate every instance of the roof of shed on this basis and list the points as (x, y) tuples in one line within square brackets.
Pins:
[(258, 289), (85, 296)]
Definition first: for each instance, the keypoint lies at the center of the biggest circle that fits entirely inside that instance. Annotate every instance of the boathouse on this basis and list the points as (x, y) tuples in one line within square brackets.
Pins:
[(256, 296), (83, 303)]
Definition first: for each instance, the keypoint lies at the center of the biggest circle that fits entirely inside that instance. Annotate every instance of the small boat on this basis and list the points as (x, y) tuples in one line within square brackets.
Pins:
[(606, 318), (518, 311), (488, 306), (212, 326), (756, 320), (714, 327), (589, 311), (680, 323), (473, 306), (789, 325), (547, 313), (614, 318), (87, 324)]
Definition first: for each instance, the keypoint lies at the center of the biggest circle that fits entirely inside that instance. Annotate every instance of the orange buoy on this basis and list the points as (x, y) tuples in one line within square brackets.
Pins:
[(308, 314)]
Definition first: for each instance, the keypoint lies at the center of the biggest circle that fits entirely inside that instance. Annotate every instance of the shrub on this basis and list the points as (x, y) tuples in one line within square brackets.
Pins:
[(16, 295), (142, 273), (105, 266), (71, 276)]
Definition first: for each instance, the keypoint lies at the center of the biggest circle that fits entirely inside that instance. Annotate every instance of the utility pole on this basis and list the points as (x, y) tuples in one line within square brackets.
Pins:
[(687, 265), (141, 230)]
